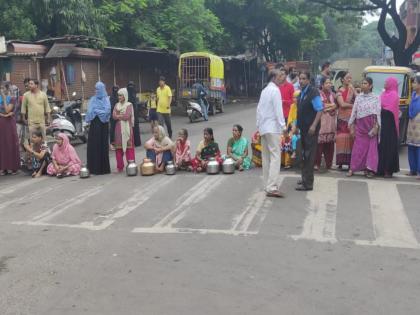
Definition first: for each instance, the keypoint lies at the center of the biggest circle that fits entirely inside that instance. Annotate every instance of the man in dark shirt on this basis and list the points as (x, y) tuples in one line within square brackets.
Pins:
[(309, 115)]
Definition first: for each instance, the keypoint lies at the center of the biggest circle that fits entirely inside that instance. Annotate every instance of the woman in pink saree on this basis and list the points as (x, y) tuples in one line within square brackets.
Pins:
[(364, 124), (65, 161)]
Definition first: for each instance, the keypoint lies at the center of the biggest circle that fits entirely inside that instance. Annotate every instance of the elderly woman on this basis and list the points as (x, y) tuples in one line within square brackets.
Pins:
[(206, 149), (389, 162), (98, 115), (65, 161), (326, 138), (123, 115), (413, 135), (159, 148), (364, 124), (237, 149), (9, 142)]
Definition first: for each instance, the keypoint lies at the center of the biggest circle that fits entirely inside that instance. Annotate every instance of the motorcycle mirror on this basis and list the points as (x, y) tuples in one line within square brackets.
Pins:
[(55, 108)]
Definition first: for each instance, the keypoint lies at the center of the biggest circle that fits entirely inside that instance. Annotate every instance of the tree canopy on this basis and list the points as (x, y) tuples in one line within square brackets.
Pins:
[(276, 29), (402, 49)]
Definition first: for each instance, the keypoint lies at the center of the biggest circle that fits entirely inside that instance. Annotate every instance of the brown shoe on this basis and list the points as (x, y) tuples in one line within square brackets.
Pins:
[(275, 194)]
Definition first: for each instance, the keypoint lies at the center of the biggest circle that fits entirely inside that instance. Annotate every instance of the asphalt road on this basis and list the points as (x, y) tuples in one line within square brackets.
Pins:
[(198, 244)]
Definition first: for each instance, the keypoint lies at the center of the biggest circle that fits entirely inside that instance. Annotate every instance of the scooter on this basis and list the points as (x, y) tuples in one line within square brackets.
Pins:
[(194, 111), (69, 120)]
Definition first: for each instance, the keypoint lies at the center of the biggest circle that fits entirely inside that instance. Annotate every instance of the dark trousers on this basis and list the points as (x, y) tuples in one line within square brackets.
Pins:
[(309, 150), (326, 149), (165, 119)]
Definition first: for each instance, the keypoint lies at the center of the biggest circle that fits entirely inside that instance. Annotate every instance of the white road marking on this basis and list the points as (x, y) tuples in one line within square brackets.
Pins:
[(390, 222), (28, 182), (193, 196), (164, 230), (66, 204), (256, 203), (320, 223), (29, 197), (126, 207)]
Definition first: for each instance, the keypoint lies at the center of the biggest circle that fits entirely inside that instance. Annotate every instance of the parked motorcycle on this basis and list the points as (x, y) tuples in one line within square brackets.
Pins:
[(194, 111), (69, 120)]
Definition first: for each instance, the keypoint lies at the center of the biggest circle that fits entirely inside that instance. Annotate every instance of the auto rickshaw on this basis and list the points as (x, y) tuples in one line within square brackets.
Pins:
[(207, 69), (405, 77)]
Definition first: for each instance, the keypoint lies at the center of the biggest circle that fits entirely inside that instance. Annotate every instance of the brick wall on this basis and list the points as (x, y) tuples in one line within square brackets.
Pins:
[(22, 68)]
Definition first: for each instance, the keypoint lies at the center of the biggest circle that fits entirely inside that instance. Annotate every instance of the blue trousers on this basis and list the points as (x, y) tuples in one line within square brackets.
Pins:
[(414, 159), (167, 156), (204, 108)]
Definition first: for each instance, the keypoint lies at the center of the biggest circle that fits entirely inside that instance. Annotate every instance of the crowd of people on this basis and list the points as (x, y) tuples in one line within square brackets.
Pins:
[(359, 128)]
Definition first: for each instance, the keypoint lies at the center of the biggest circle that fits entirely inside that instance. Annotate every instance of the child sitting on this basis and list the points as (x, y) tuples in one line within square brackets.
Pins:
[(183, 151), (39, 154)]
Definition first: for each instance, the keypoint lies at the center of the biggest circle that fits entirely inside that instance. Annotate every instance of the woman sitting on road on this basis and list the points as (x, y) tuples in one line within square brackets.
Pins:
[(237, 149), (183, 151), (206, 149), (65, 161), (159, 148)]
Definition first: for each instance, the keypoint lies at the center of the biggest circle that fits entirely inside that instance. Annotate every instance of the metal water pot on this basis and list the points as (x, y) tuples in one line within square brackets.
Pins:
[(229, 166), (213, 166), (131, 169), (170, 168), (84, 172), (147, 168)]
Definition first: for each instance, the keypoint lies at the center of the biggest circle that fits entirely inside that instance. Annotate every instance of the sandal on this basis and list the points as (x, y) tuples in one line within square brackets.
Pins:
[(349, 173), (370, 174)]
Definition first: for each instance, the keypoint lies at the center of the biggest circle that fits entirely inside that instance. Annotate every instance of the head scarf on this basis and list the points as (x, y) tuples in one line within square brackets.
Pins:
[(125, 124), (390, 99), (65, 154), (99, 104), (131, 93)]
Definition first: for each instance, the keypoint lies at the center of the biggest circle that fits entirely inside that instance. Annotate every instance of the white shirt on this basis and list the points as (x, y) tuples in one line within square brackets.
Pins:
[(270, 118)]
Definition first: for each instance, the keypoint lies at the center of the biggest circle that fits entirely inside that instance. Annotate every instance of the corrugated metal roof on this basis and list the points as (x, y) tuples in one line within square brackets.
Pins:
[(146, 50)]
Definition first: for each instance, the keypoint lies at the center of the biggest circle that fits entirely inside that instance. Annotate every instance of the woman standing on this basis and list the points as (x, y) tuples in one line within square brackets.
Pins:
[(237, 149), (113, 100), (328, 128), (98, 115), (344, 141), (389, 162), (123, 114), (413, 135), (131, 89), (364, 124), (9, 142), (65, 161)]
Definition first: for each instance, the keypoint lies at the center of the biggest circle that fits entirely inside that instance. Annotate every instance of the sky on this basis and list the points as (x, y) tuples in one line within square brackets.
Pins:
[(375, 18)]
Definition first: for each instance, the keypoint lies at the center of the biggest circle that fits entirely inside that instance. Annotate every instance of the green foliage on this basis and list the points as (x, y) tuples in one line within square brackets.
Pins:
[(368, 45), (277, 29)]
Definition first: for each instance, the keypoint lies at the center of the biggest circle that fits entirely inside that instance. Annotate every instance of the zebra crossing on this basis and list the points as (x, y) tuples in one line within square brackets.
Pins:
[(201, 204)]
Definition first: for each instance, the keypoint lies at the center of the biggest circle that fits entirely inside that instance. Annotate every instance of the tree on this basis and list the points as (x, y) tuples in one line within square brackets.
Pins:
[(402, 51), (178, 25), (277, 29), (15, 21)]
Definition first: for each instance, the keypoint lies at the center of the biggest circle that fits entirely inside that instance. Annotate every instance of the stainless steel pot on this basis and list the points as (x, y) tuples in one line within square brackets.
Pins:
[(213, 166), (131, 169), (84, 172), (228, 166), (147, 168), (170, 168)]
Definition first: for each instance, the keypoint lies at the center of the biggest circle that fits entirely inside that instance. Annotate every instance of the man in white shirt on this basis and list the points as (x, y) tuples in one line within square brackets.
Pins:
[(271, 124)]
